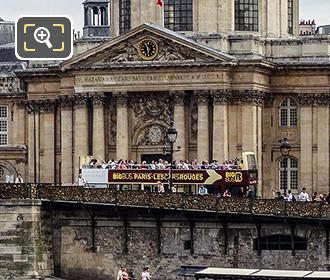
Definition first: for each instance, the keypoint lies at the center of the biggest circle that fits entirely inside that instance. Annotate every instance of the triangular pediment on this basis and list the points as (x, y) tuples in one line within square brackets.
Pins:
[(147, 44)]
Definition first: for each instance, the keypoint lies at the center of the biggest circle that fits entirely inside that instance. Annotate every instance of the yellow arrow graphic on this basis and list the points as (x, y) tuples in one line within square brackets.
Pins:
[(214, 176)]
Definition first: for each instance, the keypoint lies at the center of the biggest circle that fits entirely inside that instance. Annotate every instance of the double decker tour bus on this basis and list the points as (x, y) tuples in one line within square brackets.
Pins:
[(146, 177)]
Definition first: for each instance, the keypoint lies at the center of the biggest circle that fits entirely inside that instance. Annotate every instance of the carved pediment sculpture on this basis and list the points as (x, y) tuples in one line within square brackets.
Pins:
[(129, 53), (147, 43)]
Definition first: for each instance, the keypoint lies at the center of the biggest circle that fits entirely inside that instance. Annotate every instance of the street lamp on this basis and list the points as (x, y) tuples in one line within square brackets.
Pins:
[(285, 148), (172, 134)]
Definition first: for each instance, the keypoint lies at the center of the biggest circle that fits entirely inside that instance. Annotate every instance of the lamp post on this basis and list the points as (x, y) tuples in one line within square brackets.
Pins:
[(285, 148), (172, 134)]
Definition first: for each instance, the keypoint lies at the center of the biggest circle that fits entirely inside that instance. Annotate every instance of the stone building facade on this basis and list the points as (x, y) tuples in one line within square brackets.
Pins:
[(232, 76)]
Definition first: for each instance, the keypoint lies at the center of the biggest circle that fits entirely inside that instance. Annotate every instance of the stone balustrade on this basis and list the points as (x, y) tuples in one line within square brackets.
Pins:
[(176, 201)]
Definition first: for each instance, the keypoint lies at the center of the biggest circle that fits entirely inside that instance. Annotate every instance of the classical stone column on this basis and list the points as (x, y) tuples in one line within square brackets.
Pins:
[(19, 125), (33, 142), (66, 141), (47, 163), (249, 128), (80, 130), (98, 126), (252, 127), (323, 140), (220, 125), (122, 141), (179, 123), (306, 147), (203, 125)]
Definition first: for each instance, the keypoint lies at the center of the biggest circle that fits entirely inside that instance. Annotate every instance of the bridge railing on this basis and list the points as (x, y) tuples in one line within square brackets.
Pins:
[(184, 201)]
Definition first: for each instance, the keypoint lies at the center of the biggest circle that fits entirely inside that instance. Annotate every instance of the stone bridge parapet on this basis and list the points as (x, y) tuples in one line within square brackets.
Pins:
[(172, 201)]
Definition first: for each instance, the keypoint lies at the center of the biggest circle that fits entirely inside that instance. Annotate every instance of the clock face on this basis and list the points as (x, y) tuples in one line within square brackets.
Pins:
[(148, 49)]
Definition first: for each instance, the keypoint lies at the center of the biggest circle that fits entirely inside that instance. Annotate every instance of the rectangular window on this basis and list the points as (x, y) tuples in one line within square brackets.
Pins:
[(3, 125), (178, 15), (246, 15), (124, 16), (290, 16)]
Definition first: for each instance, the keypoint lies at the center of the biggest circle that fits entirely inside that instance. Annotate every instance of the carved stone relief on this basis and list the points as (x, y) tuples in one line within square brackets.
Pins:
[(128, 52), (153, 109), (152, 135), (194, 119)]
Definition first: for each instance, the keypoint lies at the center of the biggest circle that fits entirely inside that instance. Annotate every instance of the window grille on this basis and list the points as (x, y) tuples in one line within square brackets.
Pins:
[(178, 15), (124, 16), (288, 113), (3, 125), (246, 15), (280, 242), (289, 174)]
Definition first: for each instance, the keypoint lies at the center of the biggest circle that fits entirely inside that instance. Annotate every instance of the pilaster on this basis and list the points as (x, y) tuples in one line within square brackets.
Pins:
[(80, 130), (47, 166), (66, 104), (306, 142), (33, 109), (122, 141), (179, 122), (203, 125), (98, 126), (220, 125)]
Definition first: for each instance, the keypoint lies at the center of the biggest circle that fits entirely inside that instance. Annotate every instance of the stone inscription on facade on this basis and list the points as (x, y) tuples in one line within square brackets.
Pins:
[(150, 78)]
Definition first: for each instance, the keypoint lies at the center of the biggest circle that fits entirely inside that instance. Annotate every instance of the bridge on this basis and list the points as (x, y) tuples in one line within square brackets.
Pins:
[(167, 201), (82, 233)]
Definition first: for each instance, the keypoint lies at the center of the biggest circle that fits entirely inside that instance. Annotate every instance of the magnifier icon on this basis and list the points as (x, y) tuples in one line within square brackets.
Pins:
[(42, 35)]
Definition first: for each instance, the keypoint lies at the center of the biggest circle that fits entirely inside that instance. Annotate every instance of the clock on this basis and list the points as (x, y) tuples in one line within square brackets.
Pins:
[(148, 49)]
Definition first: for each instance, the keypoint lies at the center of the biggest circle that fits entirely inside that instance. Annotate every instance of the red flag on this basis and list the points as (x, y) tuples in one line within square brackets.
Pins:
[(160, 3)]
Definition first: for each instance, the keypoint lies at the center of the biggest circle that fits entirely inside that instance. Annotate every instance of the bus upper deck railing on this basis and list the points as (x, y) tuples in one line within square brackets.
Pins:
[(179, 201)]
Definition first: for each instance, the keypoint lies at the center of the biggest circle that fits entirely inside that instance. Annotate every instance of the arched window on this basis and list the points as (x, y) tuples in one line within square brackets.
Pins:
[(288, 176), (103, 14), (288, 113), (95, 16), (246, 15), (178, 15), (280, 242)]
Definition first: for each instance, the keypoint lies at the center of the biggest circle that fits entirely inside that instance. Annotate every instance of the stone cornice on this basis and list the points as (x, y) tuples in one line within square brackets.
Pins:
[(312, 99)]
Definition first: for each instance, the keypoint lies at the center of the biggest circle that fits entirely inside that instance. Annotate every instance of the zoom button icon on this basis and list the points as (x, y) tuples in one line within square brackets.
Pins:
[(43, 38)]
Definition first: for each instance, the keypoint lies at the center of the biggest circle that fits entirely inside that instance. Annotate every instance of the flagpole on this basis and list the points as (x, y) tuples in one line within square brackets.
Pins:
[(160, 3)]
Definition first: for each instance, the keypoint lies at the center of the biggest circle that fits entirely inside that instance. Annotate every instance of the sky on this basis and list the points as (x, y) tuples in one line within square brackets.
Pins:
[(11, 9)]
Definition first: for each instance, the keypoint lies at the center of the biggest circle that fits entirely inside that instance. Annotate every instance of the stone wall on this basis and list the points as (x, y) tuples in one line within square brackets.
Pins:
[(25, 239), (166, 240)]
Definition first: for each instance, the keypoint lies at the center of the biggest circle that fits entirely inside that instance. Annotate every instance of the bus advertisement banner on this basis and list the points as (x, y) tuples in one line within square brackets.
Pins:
[(180, 177)]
